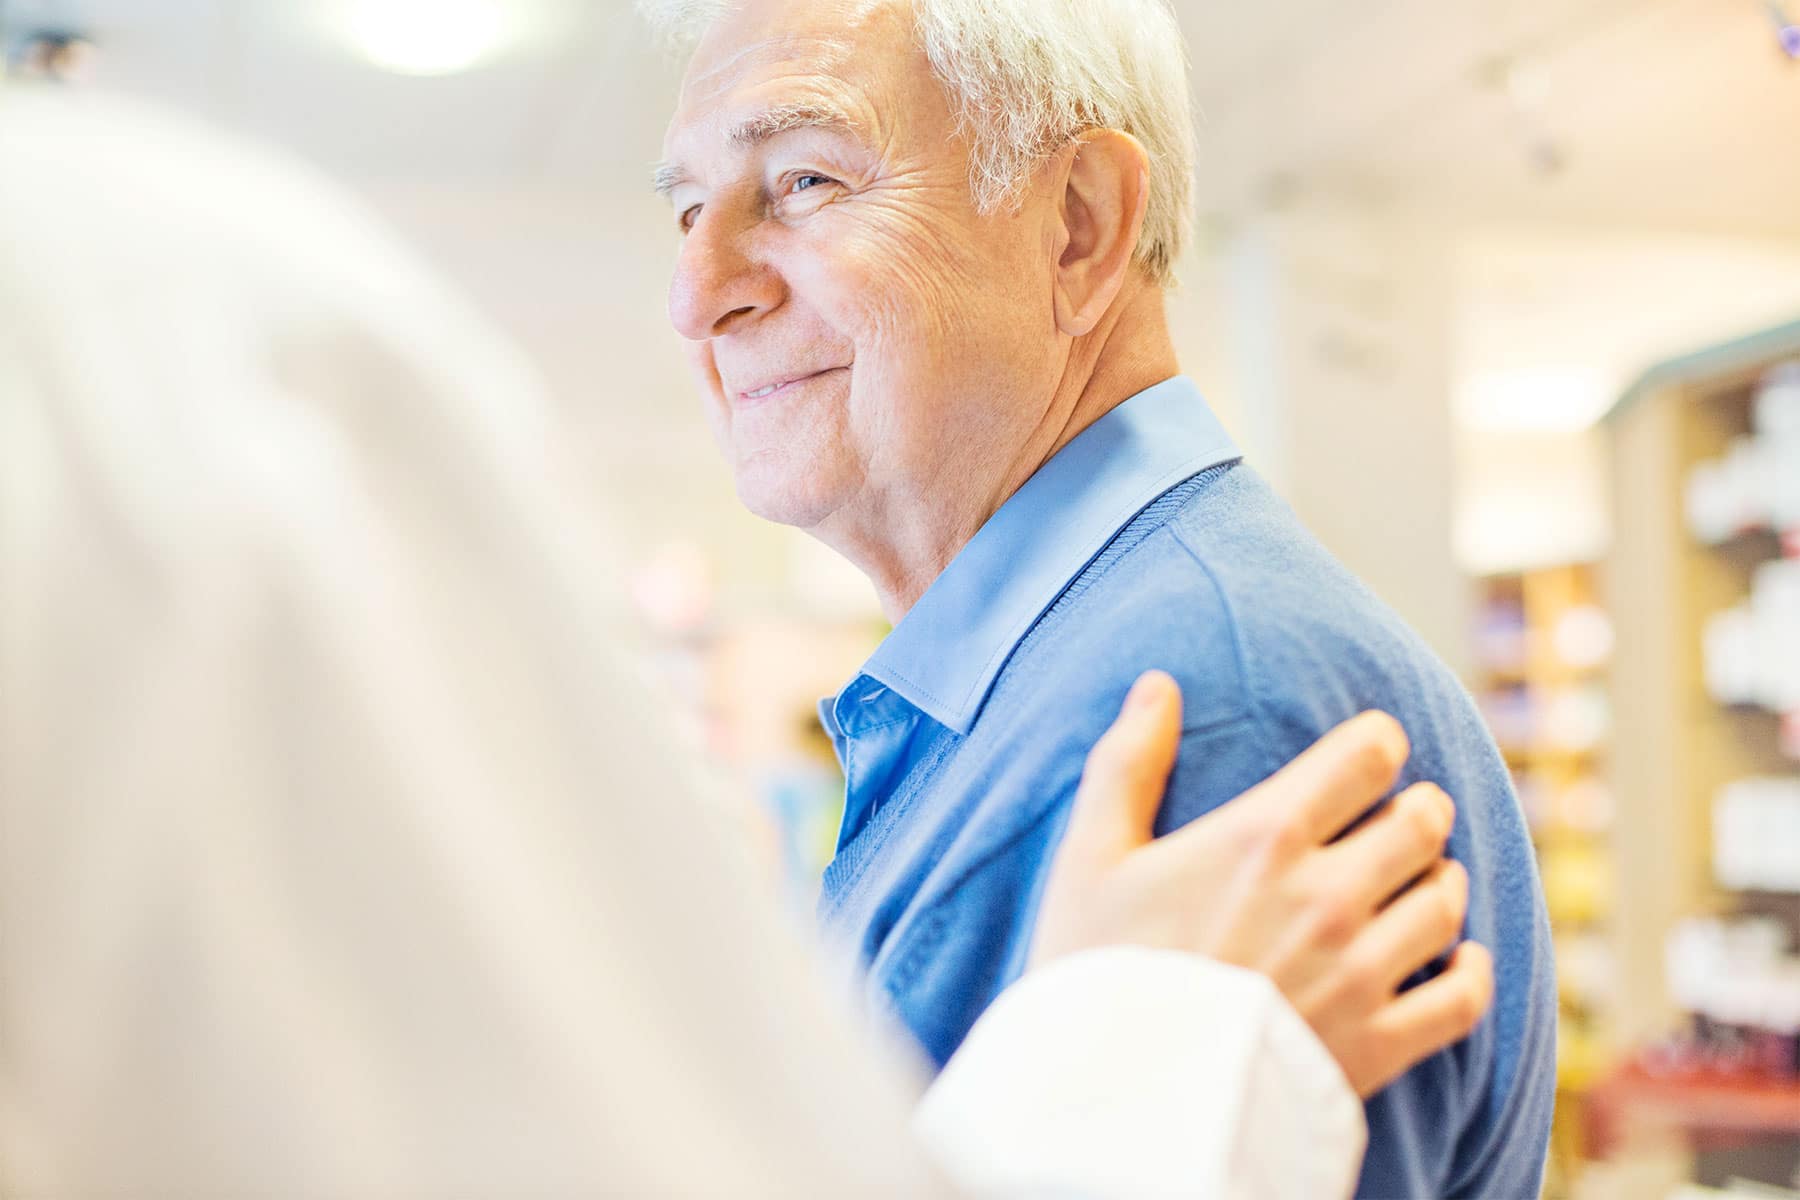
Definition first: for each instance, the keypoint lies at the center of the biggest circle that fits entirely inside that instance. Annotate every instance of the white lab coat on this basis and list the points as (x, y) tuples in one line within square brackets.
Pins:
[(341, 852)]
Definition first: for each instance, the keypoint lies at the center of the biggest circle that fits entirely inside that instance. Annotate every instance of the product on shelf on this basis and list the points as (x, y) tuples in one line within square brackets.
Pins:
[(1585, 805), (1777, 410), (1511, 715), (1536, 798), (1752, 651), (1578, 882), (1756, 835), (1728, 648), (1586, 967), (1576, 717), (1756, 485), (1775, 607), (1732, 495), (1776, 419), (1742, 986), (1553, 802), (1571, 718), (1501, 642), (1583, 637)]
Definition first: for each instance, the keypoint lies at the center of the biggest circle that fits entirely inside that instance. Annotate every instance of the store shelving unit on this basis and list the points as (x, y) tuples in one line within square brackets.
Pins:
[(1543, 646), (1714, 1108), (1677, 745)]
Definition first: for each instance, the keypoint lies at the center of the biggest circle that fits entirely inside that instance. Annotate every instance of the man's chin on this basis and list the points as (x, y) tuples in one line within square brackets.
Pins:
[(781, 498)]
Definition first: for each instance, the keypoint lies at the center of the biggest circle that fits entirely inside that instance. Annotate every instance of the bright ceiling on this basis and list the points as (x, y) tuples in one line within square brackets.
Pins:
[(1677, 113)]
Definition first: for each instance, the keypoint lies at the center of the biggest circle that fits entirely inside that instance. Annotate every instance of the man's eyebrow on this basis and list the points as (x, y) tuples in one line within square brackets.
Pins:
[(784, 118), (667, 178), (760, 127)]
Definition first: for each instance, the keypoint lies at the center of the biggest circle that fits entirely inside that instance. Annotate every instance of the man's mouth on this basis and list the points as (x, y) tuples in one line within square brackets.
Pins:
[(770, 390)]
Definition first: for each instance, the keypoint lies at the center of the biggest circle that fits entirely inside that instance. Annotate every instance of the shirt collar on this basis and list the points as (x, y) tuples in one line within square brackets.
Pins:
[(946, 653)]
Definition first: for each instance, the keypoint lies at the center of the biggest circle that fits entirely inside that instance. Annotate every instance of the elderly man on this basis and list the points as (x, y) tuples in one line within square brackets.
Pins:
[(926, 245)]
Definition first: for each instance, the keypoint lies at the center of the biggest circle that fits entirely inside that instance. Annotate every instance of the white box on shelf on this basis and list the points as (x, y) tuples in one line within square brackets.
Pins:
[(1728, 653), (1756, 835), (1777, 408)]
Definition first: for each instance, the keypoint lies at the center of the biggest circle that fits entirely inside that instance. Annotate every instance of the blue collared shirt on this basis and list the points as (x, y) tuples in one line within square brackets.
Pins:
[(1146, 543)]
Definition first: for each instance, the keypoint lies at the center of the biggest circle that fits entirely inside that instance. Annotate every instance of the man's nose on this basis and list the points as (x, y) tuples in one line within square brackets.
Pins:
[(720, 283)]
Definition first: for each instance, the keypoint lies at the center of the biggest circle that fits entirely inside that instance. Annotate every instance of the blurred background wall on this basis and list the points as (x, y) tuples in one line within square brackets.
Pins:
[(1496, 294)]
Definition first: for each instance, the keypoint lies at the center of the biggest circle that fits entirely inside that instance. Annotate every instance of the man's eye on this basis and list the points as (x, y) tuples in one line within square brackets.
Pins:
[(804, 182), (688, 217)]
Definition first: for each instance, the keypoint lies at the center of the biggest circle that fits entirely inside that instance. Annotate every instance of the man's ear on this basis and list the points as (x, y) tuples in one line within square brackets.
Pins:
[(1102, 216)]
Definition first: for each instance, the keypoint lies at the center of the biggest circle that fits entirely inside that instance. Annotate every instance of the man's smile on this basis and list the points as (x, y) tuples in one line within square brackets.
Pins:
[(780, 386)]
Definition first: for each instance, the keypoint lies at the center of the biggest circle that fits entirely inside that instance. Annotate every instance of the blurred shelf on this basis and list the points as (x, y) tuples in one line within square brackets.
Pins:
[(1556, 837), (1747, 545), (1752, 711), (1538, 756), (1499, 677), (1544, 649), (1676, 747), (1712, 1107)]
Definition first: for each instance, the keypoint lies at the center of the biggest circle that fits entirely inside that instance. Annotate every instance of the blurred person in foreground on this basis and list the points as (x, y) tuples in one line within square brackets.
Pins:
[(925, 250), (341, 855)]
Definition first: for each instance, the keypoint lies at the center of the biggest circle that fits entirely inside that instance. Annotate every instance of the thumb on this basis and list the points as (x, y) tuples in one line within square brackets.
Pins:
[(1127, 771)]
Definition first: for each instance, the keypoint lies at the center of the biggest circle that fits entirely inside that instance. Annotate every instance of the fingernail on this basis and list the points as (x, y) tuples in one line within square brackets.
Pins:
[(1146, 691)]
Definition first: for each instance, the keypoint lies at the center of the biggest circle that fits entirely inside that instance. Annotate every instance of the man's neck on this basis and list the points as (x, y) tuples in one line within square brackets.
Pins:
[(905, 552)]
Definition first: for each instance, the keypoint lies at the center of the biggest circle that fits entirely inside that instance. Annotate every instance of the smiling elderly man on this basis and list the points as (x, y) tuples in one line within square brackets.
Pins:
[(926, 246)]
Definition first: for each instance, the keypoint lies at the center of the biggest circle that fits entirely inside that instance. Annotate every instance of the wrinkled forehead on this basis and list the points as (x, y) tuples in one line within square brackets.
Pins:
[(853, 55)]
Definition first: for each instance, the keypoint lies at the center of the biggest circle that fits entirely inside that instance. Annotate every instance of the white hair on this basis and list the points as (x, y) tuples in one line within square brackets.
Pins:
[(1025, 77)]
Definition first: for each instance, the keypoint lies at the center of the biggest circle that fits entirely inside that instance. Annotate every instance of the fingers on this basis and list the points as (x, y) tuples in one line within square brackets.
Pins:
[(1412, 931), (1340, 777), (1394, 847), (1438, 1013), (1127, 772)]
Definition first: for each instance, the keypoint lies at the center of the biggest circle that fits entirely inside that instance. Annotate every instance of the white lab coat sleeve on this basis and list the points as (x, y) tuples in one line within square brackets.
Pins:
[(1144, 1073)]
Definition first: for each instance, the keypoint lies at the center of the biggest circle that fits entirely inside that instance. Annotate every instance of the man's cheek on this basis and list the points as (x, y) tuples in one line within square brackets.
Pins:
[(886, 284)]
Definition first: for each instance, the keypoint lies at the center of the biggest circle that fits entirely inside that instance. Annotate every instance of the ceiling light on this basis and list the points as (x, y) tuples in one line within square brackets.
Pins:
[(1526, 88), (427, 37), (1550, 399)]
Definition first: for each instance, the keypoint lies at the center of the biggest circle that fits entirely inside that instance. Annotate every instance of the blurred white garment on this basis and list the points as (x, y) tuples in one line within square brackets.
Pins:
[(341, 853)]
